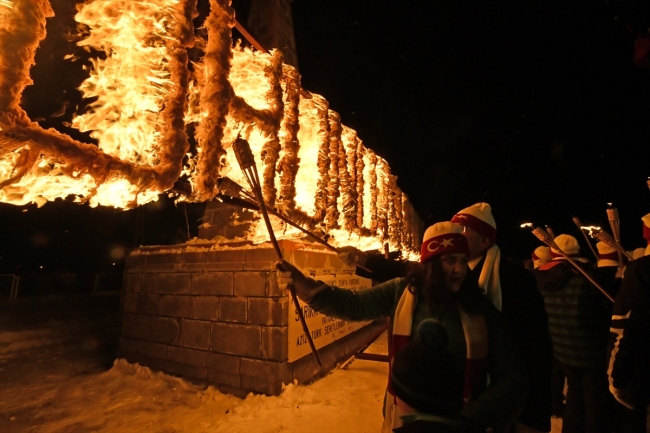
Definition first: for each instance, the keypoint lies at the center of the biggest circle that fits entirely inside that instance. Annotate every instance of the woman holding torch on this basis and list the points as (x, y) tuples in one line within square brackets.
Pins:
[(436, 289)]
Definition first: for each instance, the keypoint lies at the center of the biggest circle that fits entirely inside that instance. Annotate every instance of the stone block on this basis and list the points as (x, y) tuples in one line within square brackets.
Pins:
[(223, 266), (161, 259), (304, 368), (185, 370), (206, 307), (232, 309), (250, 283), (136, 326), (213, 283), (176, 306), (221, 378), (266, 377), (175, 284), (191, 257), (128, 344), (155, 350), (190, 262), (259, 266), (235, 339), (308, 260), (225, 256), (165, 330), (263, 254), (147, 303), (129, 302), (272, 289), (275, 343), (141, 282), (222, 369), (220, 362), (133, 261), (268, 311), (195, 334), (185, 356)]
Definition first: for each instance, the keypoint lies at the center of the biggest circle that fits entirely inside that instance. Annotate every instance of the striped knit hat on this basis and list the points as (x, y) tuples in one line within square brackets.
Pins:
[(478, 217), (443, 238), (568, 244), (607, 255), (541, 255)]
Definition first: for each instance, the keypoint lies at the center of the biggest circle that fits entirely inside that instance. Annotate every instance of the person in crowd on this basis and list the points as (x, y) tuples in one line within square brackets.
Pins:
[(428, 387), (629, 348), (637, 253), (512, 290), (578, 315), (437, 287), (541, 256), (608, 268)]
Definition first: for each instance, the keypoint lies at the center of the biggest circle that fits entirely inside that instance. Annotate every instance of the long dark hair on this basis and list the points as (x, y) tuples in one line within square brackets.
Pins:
[(428, 280)]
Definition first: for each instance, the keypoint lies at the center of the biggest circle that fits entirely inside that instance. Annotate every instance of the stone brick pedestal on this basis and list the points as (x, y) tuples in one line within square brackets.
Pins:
[(214, 313)]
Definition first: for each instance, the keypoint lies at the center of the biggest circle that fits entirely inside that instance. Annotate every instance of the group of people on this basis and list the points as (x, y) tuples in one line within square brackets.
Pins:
[(477, 341)]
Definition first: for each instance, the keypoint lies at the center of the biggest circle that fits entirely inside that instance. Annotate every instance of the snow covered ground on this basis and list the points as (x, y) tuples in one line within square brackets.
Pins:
[(56, 377)]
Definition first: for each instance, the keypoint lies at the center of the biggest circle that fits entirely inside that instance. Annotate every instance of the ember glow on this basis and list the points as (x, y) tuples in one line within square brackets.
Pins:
[(592, 230), (526, 225), (312, 168)]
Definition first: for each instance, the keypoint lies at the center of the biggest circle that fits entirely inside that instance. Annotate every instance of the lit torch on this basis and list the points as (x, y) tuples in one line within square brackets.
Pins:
[(603, 236), (543, 236), (615, 224), (246, 162), (578, 224)]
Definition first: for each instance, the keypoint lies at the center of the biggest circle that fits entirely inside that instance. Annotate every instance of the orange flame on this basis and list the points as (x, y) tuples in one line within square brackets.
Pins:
[(143, 96)]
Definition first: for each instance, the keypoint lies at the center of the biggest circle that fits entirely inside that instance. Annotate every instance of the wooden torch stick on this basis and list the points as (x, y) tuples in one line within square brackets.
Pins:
[(603, 236), (578, 224), (614, 223), (543, 236), (246, 162)]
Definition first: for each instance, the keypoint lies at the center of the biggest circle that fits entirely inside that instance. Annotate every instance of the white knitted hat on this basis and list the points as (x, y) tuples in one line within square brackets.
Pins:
[(541, 255), (607, 255), (479, 218)]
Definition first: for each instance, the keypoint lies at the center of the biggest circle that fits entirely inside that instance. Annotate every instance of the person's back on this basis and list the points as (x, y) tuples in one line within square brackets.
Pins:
[(577, 318)]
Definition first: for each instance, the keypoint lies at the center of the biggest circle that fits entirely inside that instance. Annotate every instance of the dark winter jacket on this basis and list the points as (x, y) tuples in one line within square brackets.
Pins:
[(629, 371), (525, 315), (501, 401), (606, 277), (524, 312), (578, 315)]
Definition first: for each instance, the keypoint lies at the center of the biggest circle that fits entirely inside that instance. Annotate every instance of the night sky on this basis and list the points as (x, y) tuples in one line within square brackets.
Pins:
[(535, 107)]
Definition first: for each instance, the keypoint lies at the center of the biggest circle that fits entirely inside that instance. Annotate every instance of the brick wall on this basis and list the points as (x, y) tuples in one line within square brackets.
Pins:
[(219, 317)]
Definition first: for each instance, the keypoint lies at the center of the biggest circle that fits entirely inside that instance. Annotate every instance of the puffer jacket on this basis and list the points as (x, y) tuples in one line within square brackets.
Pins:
[(578, 315)]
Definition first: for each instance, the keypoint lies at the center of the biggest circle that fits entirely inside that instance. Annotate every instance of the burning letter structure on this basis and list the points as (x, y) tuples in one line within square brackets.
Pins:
[(146, 92)]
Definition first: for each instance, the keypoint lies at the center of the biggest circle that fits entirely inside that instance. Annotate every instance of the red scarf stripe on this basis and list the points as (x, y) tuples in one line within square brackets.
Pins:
[(476, 224), (447, 243), (608, 256)]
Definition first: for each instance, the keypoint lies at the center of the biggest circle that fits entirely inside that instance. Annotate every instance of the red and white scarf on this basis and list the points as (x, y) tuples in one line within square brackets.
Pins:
[(476, 337)]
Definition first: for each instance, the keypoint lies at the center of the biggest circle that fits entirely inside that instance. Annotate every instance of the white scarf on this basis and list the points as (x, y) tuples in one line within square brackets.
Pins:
[(489, 279)]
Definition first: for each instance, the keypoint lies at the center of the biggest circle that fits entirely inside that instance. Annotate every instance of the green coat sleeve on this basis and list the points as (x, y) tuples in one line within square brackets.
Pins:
[(500, 404), (358, 305)]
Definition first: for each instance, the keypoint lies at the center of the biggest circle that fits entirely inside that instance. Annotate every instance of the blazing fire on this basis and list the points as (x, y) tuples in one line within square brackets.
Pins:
[(312, 168)]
